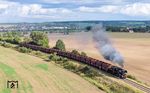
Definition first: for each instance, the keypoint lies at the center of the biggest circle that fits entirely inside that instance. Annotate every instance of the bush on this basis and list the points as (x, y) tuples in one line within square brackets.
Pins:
[(79, 68), (38, 53), (54, 57), (1, 38), (10, 40), (27, 39), (7, 45), (70, 66), (65, 60), (24, 50), (1, 42), (88, 71), (16, 40), (75, 52), (51, 56), (131, 77)]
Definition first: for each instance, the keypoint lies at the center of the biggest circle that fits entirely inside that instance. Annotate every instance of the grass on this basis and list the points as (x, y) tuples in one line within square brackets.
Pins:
[(30, 87), (6, 90), (42, 66), (9, 71), (28, 70), (112, 87), (132, 77)]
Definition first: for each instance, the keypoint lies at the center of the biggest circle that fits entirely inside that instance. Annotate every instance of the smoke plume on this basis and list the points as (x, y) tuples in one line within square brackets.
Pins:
[(105, 47)]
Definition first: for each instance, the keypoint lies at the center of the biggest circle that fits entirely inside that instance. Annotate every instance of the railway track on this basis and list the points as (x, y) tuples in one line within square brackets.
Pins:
[(139, 86)]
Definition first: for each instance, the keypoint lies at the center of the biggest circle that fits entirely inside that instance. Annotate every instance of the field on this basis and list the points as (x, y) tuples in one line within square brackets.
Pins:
[(135, 48), (37, 76)]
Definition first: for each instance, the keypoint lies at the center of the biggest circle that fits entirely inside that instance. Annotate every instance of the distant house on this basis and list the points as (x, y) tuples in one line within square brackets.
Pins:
[(130, 30)]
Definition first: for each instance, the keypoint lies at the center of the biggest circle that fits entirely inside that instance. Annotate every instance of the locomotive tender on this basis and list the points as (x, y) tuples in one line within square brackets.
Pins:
[(114, 70)]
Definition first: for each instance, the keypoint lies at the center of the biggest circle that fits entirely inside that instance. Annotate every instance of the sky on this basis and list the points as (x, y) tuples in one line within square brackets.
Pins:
[(12, 11)]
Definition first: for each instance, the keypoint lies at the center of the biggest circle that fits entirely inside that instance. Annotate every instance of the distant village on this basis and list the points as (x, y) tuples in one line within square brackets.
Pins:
[(28, 27), (72, 27)]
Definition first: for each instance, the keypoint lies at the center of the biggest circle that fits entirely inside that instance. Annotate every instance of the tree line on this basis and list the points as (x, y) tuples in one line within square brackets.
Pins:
[(36, 38), (126, 29)]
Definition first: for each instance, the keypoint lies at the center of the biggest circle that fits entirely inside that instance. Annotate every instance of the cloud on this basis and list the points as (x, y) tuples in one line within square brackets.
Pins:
[(105, 9), (84, 1), (136, 9), (14, 9)]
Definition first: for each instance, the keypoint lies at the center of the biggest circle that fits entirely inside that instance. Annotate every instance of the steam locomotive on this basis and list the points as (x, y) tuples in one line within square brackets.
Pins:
[(114, 70)]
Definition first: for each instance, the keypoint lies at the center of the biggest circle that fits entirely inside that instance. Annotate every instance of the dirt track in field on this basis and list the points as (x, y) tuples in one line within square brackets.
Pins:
[(134, 47)]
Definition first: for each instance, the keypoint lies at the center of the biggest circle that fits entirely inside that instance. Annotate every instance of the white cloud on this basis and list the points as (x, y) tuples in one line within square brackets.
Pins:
[(105, 9), (18, 10), (14, 9), (136, 9), (70, 1), (84, 1)]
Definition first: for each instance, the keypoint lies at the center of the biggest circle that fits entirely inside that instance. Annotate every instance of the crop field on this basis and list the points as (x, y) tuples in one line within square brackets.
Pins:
[(135, 48), (37, 76)]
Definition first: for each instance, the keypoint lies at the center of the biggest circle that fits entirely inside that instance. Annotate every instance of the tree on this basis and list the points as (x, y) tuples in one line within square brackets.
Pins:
[(83, 53), (88, 28), (60, 45), (75, 52), (12, 37), (39, 38), (12, 34)]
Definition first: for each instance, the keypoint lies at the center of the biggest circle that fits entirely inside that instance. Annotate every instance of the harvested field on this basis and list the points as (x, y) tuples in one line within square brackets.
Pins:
[(135, 48), (37, 76)]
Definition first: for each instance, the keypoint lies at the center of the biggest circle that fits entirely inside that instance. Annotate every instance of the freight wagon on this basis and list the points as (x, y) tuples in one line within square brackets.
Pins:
[(109, 68)]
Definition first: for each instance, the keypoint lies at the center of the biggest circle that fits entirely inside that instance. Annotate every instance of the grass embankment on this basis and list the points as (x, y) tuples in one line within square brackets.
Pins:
[(37, 76)]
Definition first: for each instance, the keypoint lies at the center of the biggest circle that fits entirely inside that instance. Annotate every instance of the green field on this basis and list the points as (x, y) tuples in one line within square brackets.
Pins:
[(37, 76)]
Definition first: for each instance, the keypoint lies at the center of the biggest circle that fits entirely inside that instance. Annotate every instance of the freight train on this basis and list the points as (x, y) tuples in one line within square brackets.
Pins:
[(109, 68)]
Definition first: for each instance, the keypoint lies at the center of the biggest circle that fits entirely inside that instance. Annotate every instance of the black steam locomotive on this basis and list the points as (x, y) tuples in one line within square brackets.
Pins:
[(114, 70)]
